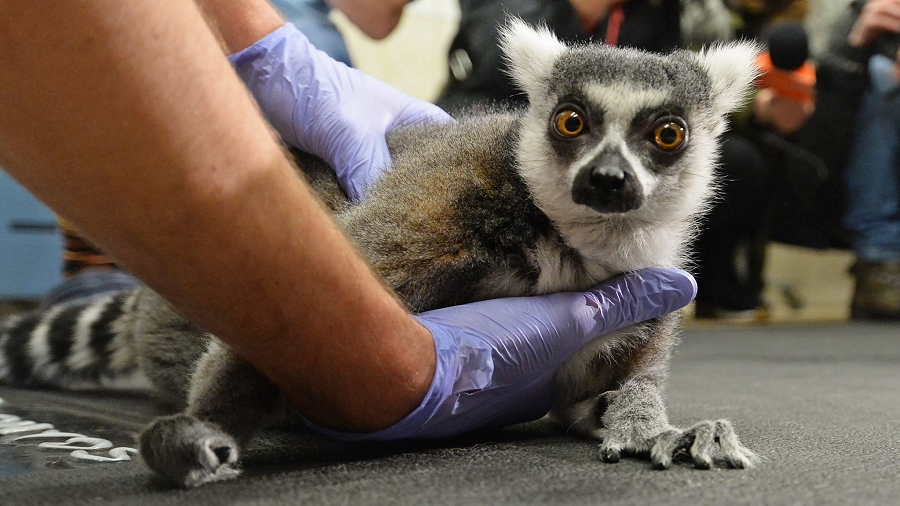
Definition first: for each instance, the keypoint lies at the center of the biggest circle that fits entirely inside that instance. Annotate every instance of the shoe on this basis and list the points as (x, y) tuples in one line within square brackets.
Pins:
[(877, 292), (708, 311), (729, 301)]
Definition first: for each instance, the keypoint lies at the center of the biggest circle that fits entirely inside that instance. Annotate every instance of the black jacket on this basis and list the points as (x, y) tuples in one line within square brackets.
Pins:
[(477, 75)]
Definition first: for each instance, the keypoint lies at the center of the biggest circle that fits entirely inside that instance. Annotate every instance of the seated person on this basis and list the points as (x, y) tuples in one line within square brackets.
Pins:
[(477, 76), (873, 172)]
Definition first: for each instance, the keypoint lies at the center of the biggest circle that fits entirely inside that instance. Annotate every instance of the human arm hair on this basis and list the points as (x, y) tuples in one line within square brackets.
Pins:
[(126, 119)]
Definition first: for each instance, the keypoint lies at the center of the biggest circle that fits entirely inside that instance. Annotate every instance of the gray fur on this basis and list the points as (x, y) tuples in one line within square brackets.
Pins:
[(485, 208)]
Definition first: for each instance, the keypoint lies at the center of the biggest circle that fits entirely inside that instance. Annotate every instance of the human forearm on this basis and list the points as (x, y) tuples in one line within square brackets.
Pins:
[(240, 23), (157, 153), (376, 18)]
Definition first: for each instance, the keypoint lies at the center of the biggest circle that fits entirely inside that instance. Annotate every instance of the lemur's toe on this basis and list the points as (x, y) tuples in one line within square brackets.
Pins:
[(189, 452), (703, 438), (665, 445), (736, 455)]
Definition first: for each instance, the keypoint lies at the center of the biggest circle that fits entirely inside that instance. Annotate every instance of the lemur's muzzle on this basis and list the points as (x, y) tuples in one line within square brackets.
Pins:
[(608, 185)]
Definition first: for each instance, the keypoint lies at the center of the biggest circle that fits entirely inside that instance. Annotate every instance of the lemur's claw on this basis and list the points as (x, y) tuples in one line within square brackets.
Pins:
[(609, 455)]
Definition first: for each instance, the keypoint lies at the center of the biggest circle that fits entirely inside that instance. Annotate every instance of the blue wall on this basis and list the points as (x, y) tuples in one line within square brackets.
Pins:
[(30, 245)]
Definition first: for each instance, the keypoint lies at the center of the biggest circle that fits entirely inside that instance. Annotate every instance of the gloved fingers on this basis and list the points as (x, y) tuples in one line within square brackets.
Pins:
[(326, 108), (638, 296), (417, 112), (533, 332), (358, 167), (621, 301), (367, 170)]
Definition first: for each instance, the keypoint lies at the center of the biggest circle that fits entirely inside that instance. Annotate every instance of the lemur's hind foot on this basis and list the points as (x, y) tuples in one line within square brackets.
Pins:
[(189, 452)]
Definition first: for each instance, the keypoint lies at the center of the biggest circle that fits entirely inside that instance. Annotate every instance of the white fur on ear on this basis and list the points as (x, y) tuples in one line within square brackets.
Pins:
[(732, 70), (530, 53)]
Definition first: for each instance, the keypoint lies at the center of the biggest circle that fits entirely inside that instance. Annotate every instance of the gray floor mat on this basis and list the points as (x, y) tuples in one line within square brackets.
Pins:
[(820, 404)]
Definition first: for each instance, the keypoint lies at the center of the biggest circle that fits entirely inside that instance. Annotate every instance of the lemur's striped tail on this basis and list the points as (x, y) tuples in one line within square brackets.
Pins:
[(77, 345)]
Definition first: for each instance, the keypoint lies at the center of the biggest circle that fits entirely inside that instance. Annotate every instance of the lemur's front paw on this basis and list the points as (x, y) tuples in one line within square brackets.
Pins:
[(699, 442), (189, 452), (635, 423)]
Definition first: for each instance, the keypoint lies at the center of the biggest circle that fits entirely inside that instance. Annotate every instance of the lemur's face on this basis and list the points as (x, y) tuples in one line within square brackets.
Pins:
[(615, 155), (614, 132)]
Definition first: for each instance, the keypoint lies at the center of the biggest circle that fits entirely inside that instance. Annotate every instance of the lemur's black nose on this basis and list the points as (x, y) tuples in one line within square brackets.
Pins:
[(608, 185), (605, 181)]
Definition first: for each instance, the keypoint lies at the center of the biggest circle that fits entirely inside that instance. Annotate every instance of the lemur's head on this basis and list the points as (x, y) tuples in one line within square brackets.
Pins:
[(619, 132)]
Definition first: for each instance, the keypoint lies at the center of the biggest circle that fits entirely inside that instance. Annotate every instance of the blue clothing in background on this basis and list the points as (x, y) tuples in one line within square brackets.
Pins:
[(311, 18), (873, 172)]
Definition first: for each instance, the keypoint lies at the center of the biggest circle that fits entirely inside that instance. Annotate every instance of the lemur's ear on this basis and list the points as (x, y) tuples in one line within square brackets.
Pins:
[(530, 53), (732, 69)]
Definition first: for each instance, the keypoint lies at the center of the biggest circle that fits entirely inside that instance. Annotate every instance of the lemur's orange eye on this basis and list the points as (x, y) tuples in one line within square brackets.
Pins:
[(569, 123), (668, 135)]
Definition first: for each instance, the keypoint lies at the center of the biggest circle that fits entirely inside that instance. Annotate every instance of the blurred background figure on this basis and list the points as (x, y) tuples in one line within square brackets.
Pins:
[(375, 19), (311, 18), (477, 72), (731, 250), (873, 171), (753, 17)]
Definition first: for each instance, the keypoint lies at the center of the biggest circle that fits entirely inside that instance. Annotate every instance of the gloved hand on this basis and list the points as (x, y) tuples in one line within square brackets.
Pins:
[(496, 359), (326, 108)]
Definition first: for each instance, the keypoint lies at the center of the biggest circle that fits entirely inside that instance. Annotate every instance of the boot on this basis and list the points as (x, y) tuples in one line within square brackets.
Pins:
[(877, 293)]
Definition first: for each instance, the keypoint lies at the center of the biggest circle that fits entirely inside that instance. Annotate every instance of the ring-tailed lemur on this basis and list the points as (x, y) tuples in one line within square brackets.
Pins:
[(605, 172)]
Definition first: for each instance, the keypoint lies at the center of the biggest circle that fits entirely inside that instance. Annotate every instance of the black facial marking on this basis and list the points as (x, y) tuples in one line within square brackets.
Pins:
[(572, 125), (643, 137)]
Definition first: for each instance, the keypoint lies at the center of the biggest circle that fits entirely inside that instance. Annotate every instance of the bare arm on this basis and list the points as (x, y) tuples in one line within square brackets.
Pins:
[(376, 18), (591, 12), (126, 119), (877, 17)]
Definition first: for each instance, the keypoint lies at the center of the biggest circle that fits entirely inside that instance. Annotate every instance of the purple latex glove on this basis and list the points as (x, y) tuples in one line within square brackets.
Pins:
[(326, 108), (496, 359)]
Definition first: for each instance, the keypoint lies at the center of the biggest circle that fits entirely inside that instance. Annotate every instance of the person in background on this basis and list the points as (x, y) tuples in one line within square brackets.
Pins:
[(477, 72), (731, 248), (873, 172), (375, 19), (753, 17)]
